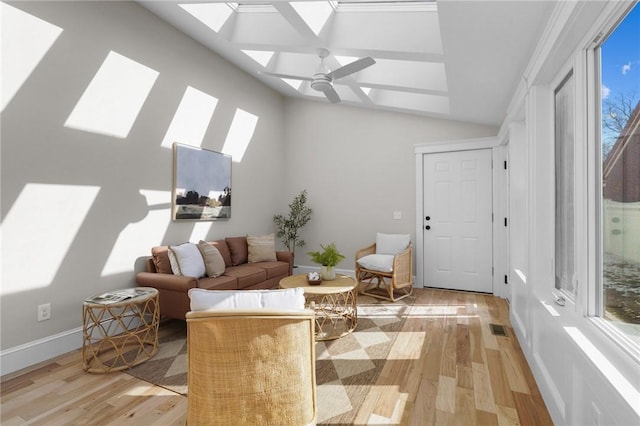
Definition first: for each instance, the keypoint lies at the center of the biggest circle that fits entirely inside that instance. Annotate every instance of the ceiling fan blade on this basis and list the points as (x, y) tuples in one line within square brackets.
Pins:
[(354, 66), (331, 95), (293, 77)]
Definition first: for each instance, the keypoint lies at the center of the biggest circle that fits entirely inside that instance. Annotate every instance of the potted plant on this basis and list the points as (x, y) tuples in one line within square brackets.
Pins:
[(329, 257), (288, 227)]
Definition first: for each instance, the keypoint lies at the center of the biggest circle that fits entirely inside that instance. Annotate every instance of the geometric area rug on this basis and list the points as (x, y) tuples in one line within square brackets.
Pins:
[(346, 368)]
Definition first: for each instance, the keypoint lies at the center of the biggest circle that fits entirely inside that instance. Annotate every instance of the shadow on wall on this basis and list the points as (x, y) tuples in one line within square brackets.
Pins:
[(89, 115)]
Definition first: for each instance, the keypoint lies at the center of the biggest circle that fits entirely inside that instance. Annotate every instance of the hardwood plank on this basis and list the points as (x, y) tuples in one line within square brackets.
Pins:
[(465, 407), (499, 381), (446, 394), (442, 369), (507, 416), (482, 388)]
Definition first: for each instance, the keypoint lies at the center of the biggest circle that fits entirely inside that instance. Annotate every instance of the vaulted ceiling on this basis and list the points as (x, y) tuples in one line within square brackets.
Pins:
[(453, 59)]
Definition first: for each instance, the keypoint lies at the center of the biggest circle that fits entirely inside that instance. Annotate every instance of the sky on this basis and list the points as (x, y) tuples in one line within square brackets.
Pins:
[(621, 58)]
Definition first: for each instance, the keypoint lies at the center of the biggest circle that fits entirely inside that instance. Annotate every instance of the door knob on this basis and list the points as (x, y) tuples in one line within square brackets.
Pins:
[(427, 218), (427, 227)]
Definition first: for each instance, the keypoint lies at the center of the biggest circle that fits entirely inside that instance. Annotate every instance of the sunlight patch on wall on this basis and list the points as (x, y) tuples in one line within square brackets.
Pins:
[(240, 134), (608, 370), (192, 118), (136, 239), (38, 232), (112, 101), (200, 231), (25, 41), (314, 13), (213, 15)]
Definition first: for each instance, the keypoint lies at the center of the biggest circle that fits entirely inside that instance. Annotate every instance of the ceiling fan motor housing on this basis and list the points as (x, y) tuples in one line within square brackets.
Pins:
[(321, 82)]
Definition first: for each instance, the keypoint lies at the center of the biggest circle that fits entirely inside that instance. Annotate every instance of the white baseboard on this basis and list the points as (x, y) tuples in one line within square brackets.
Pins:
[(28, 354)]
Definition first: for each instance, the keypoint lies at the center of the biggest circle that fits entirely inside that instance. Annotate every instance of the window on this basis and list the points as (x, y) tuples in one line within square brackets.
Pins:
[(564, 162), (619, 222)]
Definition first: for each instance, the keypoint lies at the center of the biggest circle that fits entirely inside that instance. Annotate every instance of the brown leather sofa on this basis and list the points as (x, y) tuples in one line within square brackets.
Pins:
[(238, 275)]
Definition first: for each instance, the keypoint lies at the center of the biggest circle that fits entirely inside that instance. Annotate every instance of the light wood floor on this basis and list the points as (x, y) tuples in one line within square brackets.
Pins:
[(445, 368)]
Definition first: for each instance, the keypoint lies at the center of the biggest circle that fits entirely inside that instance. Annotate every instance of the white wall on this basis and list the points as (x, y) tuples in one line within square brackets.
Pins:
[(585, 376), (74, 219), (358, 167)]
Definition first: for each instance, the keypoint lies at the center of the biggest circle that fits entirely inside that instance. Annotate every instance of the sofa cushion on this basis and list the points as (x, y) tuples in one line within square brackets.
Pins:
[(377, 262), (238, 248), (222, 247), (274, 269), (222, 282), (391, 243), (213, 261), (261, 248), (186, 260), (247, 275), (203, 300), (160, 255)]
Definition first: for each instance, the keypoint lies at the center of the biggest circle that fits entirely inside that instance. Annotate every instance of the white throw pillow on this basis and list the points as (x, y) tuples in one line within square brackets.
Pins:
[(188, 260), (377, 262), (391, 243), (213, 261), (204, 300)]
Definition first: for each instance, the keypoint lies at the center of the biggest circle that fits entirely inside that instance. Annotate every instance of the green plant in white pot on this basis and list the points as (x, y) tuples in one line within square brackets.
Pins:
[(328, 258)]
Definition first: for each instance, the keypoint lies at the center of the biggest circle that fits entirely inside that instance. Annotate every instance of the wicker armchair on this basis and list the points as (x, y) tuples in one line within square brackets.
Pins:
[(252, 367), (391, 283)]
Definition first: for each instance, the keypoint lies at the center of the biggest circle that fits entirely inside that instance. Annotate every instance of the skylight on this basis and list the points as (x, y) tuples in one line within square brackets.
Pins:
[(213, 15), (260, 56), (314, 13), (293, 83)]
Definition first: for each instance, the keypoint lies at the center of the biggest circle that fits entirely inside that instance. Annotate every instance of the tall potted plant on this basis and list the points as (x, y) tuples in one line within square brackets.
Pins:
[(328, 258), (288, 227)]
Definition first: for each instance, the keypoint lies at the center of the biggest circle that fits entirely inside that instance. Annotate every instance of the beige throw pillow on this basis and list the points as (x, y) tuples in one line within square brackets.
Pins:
[(262, 248), (213, 260)]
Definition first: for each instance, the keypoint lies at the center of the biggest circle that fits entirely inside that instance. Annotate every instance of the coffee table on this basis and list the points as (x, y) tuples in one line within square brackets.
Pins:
[(334, 302), (120, 329)]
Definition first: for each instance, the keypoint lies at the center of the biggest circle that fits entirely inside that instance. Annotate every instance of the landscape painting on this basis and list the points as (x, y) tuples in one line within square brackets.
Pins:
[(201, 184)]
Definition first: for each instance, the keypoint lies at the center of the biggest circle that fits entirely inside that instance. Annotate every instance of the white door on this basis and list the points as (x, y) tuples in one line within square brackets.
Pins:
[(457, 224)]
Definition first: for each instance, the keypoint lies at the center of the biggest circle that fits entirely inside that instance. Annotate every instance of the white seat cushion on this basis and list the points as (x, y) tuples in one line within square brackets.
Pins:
[(391, 243), (205, 300), (377, 262)]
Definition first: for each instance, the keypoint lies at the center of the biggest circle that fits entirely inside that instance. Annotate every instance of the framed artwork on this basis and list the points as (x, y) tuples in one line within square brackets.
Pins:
[(201, 184)]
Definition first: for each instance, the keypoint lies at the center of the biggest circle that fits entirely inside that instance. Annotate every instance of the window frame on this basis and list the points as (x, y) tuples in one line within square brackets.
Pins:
[(592, 93)]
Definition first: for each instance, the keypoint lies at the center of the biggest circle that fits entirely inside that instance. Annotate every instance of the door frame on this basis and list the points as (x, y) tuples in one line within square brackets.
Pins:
[(499, 204)]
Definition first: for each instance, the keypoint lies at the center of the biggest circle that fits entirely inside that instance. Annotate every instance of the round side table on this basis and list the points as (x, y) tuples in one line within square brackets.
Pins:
[(120, 329), (334, 303)]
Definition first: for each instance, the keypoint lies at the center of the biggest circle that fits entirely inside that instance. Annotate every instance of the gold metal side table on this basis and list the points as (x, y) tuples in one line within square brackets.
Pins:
[(334, 302), (120, 329)]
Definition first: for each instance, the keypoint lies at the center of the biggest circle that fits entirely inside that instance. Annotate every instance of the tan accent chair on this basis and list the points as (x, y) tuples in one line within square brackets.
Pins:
[(251, 367), (390, 285)]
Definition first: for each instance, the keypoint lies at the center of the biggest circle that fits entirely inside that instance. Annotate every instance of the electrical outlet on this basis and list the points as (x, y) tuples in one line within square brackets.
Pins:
[(44, 312), (397, 215)]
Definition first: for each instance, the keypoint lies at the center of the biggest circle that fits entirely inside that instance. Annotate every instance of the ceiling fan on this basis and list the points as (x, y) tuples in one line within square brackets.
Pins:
[(323, 79)]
